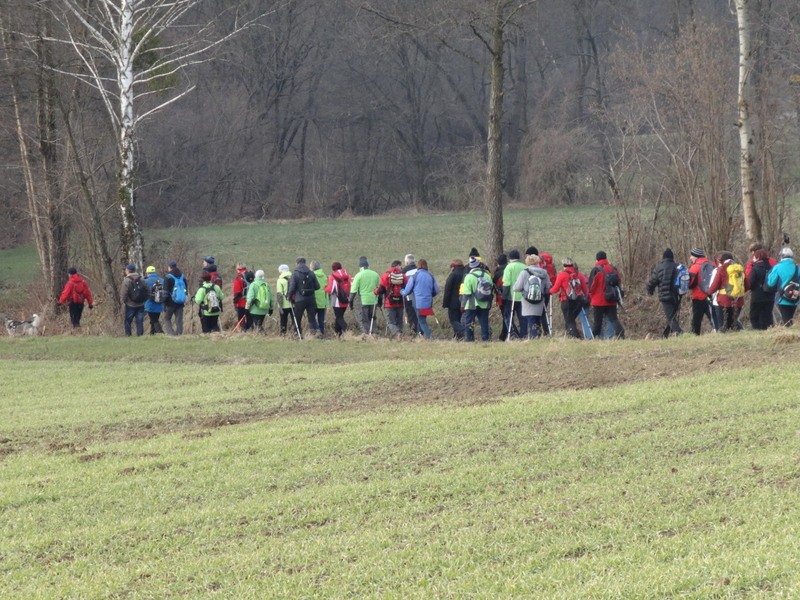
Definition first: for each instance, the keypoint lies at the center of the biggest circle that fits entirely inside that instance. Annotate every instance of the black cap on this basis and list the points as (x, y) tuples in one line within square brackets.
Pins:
[(601, 256)]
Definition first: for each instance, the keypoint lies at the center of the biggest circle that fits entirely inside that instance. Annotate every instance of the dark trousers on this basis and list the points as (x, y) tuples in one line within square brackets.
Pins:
[(571, 309), (247, 324), (131, 313), (761, 314), (305, 307), (75, 312), (730, 317), (319, 321), (700, 310), (339, 324), (155, 324), (469, 317), (411, 315), (606, 313), (173, 310), (394, 320), (787, 313), (454, 316), (367, 319), (286, 315), (512, 321), (671, 313), (209, 324), (257, 323)]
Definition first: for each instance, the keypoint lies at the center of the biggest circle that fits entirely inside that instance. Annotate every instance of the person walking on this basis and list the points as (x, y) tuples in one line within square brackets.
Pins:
[(663, 279), (762, 298), (533, 285), (76, 291), (258, 302), (786, 273), (424, 287), (728, 285), (155, 301), (701, 271), (390, 289), (175, 288), (409, 268), (451, 300), (241, 283), (133, 294), (476, 299), (302, 286), (573, 295), (512, 309), (339, 284), (209, 299), (320, 297), (282, 296), (605, 293), (364, 284)]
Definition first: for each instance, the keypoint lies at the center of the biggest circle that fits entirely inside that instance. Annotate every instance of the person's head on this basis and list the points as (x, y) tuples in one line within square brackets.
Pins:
[(532, 260), (502, 260), (283, 269), (668, 254), (335, 266), (760, 254), (532, 250), (409, 259), (457, 263), (363, 263), (473, 253), (130, 268), (695, 254), (172, 265), (755, 246), (567, 262), (601, 255), (396, 263), (725, 256), (301, 260), (786, 252), (150, 269), (422, 264), (260, 274), (72, 271), (474, 262), (208, 260), (241, 267), (206, 276), (513, 255), (314, 265)]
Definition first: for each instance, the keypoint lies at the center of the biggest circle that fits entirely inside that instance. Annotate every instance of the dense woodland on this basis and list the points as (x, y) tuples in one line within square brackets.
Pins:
[(304, 108)]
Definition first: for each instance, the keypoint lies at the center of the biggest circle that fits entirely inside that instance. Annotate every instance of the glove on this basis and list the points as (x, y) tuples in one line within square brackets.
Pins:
[(291, 299), (91, 307)]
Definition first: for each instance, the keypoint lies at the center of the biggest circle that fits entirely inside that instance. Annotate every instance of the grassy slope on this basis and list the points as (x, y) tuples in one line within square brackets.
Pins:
[(682, 483)]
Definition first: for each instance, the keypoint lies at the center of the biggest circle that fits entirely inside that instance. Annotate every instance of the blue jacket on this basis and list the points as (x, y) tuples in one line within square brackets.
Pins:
[(149, 305), (781, 274), (424, 287)]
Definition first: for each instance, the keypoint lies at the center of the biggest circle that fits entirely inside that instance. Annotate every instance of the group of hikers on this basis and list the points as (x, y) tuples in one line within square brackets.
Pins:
[(524, 291)]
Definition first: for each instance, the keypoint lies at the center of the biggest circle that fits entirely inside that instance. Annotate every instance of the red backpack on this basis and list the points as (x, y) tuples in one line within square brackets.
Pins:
[(547, 264)]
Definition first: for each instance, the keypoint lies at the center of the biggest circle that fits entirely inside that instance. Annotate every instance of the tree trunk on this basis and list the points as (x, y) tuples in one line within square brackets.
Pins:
[(752, 221), (494, 183)]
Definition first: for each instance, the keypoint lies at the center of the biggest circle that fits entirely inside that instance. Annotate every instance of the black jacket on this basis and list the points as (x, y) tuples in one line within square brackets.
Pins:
[(757, 282), (450, 297), (301, 273), (663, 278)]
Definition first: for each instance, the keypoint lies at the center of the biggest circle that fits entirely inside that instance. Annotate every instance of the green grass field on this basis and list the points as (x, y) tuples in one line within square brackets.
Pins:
[(252, 468)]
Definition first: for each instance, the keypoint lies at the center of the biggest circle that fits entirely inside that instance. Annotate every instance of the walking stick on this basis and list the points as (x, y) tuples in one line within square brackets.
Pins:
[(510, 318), (372, 319), (296, 326), (244, 316), (550, 315)]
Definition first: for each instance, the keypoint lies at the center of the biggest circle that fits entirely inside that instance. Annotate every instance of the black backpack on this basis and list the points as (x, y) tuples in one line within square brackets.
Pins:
[(308, 284), (138, 292)]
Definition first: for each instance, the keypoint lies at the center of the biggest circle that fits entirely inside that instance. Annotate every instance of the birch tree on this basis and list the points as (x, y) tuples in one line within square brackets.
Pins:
[(132, 52)]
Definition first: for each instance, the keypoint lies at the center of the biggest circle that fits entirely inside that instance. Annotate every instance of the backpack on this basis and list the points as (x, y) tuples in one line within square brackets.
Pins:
[(262, 297), (483, 291), (612, 291), (535, 293), (308, 284), (547, 265), (574, 287), (395, 285), (791, 291), (681, 282), (705, 276), (157, 293), (247, 278), (211, 302), (179, 291), (735, 286), (138, 292)]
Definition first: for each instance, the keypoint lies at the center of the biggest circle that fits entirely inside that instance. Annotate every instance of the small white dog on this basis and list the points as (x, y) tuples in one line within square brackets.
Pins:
[(28, 327)]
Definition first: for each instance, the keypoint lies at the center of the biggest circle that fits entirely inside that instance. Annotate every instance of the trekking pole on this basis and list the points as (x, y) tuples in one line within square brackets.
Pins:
[(296, 326), (550, 316), (239, 323), (510, 318), (372, 319)]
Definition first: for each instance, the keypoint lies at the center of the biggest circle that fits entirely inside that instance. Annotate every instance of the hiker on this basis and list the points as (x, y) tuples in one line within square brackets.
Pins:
[(497, 281), (133, 294), (210, 267), (605, 293), (512, 299), (762, 297), (175, 288), (302, 286), (476, 299), (533, 284), (338, 287), (700, 273), (320, 297), (77, 292), (155, 301), (663, 278), (389, 288), (258, 302), (784, 278), (409, 268), (424, 287), (546, 262), (282, 296), (573, 294), (753, 248), (451, 300), (728, 285), (241, 284), (209, 299), (364, 284)]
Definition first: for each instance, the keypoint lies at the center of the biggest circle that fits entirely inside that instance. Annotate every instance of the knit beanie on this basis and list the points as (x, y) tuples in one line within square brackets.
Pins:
[(72, 271), (532, 250), (698, 253), (209, 259), (363, 262), (474, 263), (513, 255), (601, 256), (668, 254), (474, 252), (131, 268)]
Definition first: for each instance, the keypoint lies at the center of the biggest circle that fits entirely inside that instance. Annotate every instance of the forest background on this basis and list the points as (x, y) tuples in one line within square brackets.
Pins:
[(292, 109)]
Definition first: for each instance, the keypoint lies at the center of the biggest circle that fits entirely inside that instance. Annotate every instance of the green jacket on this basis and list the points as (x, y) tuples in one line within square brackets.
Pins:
[(510, 276), (252, 294), (468, 290), (283, 289), (320, 296), (200, 297), (364, 284)]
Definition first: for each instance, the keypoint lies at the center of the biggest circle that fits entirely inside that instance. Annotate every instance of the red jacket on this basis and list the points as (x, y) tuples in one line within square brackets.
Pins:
[(561, 284), (339, 278), (239, 299), (694, 279), (385, 287), (76, 291), (718, 283), (597, 290)]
